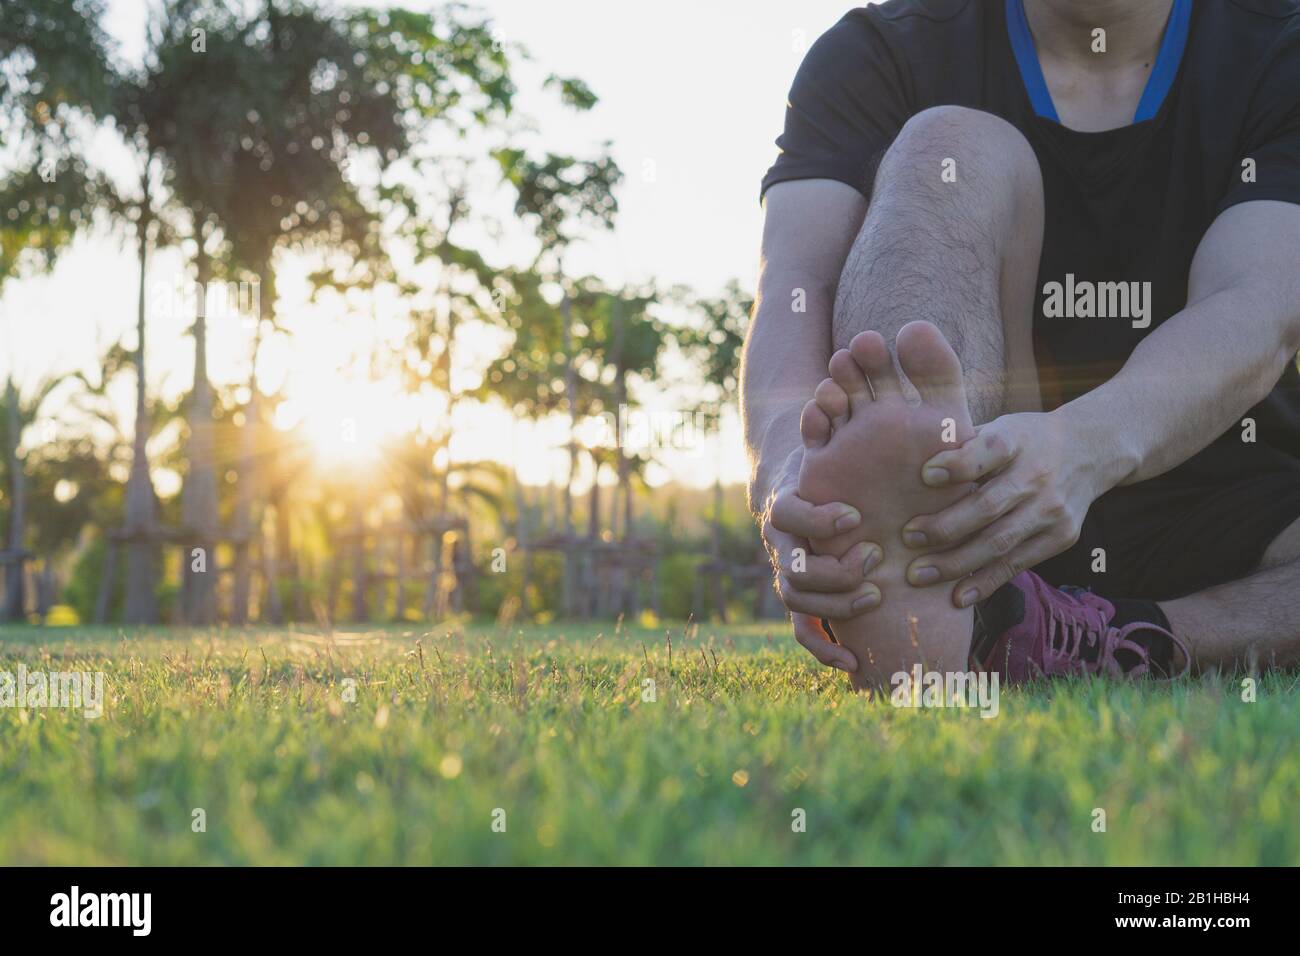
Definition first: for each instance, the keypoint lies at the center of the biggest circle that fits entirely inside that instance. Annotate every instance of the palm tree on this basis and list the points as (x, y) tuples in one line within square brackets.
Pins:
[(43, 219), (54, 60), (558, 194), (198, 117)]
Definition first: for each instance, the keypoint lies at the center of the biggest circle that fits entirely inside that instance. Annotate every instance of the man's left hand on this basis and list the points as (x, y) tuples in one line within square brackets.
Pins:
[(1036, 483)]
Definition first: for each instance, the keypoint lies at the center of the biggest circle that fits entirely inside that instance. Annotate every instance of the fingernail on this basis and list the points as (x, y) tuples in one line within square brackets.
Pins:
[(869, 599), (926, 574), (935, 476), (872, 559), (913, 539), (968, 597), (848, 518)]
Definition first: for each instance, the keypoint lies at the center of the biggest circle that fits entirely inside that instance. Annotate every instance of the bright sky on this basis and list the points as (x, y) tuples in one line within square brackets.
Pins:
[(692, 93)]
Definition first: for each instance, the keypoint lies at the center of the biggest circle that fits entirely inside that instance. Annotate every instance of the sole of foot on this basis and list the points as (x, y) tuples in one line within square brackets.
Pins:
[(864, 444)]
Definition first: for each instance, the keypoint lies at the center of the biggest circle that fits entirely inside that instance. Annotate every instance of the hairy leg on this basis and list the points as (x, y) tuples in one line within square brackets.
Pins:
[(962, 254), (952, 236), (1251, 622)]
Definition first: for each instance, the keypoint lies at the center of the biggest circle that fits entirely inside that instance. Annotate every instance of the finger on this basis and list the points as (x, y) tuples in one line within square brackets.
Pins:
[(996, 541), (808, 632), (826, 573), (983, 583), (839, 604), (803, 519), (972, 514), (987, 453)]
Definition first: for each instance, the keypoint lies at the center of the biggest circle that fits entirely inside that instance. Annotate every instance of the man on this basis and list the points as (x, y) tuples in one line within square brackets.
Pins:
[(1075, 225)]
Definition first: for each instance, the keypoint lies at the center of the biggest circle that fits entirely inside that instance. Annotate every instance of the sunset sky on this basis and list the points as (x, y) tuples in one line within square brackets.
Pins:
[(691, 98)]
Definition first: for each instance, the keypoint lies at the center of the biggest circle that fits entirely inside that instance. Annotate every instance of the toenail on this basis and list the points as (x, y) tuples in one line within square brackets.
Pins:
[(968, 597), (869, 599), (847, 519), (925, 574), (914, 539), (935, 477)]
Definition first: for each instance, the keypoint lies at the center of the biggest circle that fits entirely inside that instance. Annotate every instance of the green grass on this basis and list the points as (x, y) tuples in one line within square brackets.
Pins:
[(549, 725)]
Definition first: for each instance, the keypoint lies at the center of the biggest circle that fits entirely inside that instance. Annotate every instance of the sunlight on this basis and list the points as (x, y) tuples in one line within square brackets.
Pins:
[(346, 422)]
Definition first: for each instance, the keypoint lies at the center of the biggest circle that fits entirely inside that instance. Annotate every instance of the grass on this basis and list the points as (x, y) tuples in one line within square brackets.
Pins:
[(550, 726)]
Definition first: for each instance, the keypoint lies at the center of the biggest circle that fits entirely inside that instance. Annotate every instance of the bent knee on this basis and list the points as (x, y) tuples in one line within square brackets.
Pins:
[(961, 136)]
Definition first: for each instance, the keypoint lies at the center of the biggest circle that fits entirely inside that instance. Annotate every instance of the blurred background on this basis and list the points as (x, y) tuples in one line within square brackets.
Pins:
[(333, 313)]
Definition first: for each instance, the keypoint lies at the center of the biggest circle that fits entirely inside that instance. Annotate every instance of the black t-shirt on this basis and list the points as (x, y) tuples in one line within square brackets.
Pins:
[(1126, 205)]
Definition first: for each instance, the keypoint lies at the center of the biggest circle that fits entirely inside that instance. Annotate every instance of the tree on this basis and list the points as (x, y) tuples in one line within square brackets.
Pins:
[(558, 194), (54, 67), (716, 344), (40, 217)]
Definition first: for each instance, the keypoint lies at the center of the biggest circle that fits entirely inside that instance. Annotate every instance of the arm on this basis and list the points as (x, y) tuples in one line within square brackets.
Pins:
[(809, 227), (1243, 315)]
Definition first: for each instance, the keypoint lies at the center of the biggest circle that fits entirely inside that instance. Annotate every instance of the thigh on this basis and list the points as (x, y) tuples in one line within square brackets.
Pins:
[(960, 252)]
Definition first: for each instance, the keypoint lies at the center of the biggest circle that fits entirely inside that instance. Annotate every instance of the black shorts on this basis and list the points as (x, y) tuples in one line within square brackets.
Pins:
[(1205, 523)]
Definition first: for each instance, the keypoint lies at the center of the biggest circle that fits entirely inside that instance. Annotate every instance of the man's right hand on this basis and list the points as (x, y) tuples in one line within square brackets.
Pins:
[(814, 586)]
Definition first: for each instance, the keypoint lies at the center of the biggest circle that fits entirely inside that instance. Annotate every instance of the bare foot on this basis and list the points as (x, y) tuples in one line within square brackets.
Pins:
[(864, 445)]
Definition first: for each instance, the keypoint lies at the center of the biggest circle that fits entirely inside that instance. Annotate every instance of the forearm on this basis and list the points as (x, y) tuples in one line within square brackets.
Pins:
[(784, 359), (1185, 384), (808, 228)]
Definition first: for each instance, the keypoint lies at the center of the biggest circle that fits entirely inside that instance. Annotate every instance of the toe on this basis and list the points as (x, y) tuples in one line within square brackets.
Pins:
[(814, 426), (848, 376), (834, 401), (929, 363), (871, 354)]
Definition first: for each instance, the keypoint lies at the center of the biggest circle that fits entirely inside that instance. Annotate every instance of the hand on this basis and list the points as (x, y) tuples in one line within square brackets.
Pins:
[(1037, 482), (816, 586)]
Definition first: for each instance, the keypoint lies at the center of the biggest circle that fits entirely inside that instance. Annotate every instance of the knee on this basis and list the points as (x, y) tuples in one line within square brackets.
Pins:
[(966, 143)]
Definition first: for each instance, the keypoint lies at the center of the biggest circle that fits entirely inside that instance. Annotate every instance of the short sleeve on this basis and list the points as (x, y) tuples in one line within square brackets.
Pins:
[(845, 107), (1271, 132)]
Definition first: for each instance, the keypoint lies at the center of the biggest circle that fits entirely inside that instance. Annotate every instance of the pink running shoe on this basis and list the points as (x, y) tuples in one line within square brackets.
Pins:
[(1031, 629)]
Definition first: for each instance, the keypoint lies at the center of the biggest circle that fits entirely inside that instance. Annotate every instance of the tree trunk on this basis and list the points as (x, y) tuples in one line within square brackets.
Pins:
[(627, 577), (570, 589), (46, 588), (141, 504), (399, 576), (245, 525), (15, 590), (285, 556), (360, 610), (272, 608), (199, 493), (105, 596), (719, 584), (522, 539)]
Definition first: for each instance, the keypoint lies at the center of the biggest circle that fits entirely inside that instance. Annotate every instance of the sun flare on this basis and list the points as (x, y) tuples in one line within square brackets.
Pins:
[(347, 422)]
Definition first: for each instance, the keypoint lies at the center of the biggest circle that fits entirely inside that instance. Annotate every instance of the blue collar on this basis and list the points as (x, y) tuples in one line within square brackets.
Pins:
[(1158, 83)]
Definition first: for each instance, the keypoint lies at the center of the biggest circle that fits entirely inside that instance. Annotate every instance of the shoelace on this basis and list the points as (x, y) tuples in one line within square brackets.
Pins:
[(1069, 633)]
